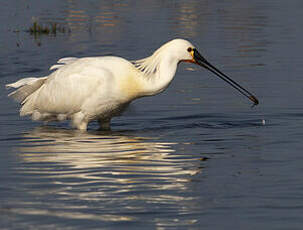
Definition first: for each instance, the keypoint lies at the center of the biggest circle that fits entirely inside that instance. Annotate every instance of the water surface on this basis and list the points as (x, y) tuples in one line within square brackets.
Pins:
[(195, 157)]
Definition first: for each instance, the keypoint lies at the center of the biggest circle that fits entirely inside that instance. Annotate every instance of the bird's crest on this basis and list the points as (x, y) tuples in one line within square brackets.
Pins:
[(150, 66)]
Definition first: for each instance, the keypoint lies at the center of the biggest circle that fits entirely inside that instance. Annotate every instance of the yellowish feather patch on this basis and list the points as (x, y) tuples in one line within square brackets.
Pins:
[(131, 86)]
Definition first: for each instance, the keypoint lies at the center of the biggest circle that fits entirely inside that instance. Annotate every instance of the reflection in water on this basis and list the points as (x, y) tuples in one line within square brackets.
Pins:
[(119, 175), (104, 21), (245, 24), (189, 21)]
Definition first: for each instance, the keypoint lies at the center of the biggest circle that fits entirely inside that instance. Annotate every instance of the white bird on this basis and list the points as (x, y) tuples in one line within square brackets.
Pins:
[(99, 88)]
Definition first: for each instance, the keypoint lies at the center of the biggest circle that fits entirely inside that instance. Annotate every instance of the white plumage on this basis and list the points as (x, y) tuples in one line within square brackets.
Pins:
[(98, 88)]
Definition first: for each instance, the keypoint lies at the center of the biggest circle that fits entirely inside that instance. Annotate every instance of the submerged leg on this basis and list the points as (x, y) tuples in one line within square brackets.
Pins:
[(82, 126), (79, 121), (104, 124)]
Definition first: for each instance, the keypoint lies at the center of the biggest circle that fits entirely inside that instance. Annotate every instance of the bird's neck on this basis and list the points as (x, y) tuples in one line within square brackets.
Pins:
[(160, 77)]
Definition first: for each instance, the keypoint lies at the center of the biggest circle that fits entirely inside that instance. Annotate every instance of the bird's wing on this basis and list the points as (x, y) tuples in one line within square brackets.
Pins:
[(67, 89)]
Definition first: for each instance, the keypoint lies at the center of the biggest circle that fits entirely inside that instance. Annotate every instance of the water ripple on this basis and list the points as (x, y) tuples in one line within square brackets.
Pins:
[(121, 176)]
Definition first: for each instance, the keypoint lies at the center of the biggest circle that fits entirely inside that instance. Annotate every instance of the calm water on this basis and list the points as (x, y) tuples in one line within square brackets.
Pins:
[(195, 157)]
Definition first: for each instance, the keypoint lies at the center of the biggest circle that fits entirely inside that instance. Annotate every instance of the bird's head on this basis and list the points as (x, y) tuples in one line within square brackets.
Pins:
[(184, 51)]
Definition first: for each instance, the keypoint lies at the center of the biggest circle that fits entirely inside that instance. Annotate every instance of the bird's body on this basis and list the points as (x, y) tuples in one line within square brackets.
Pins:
[(98, 88)]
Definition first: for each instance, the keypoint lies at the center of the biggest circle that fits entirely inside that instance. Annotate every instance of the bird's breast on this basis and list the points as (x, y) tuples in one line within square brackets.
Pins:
[(131, 87)]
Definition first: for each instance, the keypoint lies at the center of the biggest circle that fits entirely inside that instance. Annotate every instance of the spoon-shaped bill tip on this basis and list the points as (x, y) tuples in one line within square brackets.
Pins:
[(254, 100)]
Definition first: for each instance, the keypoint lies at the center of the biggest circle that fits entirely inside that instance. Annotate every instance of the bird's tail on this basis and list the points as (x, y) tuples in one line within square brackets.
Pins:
[(25, 87)]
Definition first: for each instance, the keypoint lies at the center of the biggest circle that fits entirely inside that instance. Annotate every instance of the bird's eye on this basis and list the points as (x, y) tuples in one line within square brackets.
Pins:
[(189, 49)]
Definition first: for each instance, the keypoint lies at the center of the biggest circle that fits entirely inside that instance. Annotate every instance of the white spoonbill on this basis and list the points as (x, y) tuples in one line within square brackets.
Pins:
[(99, 88)]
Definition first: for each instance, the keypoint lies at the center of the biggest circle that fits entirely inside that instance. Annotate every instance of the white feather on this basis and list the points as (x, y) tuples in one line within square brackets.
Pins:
[(97, 88), (26, 87), (22, 82), (63, 61)]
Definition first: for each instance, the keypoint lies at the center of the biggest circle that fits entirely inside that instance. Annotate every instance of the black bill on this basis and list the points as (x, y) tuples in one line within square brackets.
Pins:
[(200, 60)]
